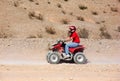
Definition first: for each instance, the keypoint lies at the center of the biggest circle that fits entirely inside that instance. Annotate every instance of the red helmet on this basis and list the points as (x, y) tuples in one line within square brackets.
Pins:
[(72, 28)]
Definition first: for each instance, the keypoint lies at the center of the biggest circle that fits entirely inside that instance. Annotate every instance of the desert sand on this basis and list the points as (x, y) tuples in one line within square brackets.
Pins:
[(25, 60)]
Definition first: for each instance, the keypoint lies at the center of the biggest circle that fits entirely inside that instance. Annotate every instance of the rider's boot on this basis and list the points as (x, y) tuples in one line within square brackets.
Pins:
[(66, 55)]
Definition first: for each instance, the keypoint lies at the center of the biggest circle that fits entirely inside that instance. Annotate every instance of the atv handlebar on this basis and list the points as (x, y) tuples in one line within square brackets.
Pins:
[(61, 41)]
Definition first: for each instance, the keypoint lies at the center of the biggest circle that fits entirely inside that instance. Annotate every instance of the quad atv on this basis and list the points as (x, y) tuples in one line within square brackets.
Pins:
[(55, 55)]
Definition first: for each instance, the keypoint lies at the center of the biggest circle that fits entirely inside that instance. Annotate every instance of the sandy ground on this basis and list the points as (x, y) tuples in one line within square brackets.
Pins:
[(25, 60), (60, 72)]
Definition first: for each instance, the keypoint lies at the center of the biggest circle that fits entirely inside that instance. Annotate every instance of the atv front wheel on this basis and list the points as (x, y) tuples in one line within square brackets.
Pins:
[(49, 53), (79, 58), (53, 58)]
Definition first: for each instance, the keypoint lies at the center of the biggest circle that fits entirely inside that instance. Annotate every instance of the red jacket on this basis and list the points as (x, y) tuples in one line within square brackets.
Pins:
[(75, 37)]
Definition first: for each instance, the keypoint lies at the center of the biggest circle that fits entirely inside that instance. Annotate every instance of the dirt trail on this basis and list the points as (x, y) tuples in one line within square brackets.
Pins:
[(25, 60), (33, 51), (61, 72)]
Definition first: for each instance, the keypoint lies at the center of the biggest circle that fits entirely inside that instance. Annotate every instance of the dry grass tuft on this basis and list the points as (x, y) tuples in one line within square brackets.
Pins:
[(37, 3), (32, 36), (5, 34), (49, 2), (82, 7), (114, 9), (63, 12), (104, 12), (31, 0), (98, 22), (94, 13), (34, 15), (71, 13), (39, 35), (59, 5), (80, 18), (65, 21), (103, 21), (39, 17), (83, 33), (118, 29), (50, 30), (104, 33), (65, 0), (102, 29), (16, 3), (31, 15)]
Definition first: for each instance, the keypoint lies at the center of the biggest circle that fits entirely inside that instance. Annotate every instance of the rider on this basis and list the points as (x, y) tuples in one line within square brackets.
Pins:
[(72, 37)]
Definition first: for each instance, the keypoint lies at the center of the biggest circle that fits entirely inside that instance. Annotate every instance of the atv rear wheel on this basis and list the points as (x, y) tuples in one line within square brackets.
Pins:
[(79, 58), (53, 58)]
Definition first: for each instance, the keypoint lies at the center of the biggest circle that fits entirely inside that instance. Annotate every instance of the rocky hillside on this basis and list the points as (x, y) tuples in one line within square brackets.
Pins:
[(95, 19)]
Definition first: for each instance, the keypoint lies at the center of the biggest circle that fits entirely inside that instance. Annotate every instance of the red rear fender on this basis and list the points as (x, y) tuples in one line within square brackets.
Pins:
[(80, 48)]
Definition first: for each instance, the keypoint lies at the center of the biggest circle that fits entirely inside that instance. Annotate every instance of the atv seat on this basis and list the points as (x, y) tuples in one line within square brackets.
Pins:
[(79, 48)]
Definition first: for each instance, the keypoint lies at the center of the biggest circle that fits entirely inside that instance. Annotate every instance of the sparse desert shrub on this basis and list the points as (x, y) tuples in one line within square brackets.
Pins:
[(37, 3), (5, 34), (63, 12), (39, 17), (32, 36), (35, 15), (71, 13), (65, 21), (31, 15), (114, 9), (109, 5), (2, 35), (104, 33), (25, 8), (103, 21), (82, 7), (97, 22), (118, 28), (31, 0), (104, 12), (102, 29), (39, 35), (50, 30), (16, 3), (80, 18), (83, 33), (66, 0), (49, 2), (94, 13), (59, 5)]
